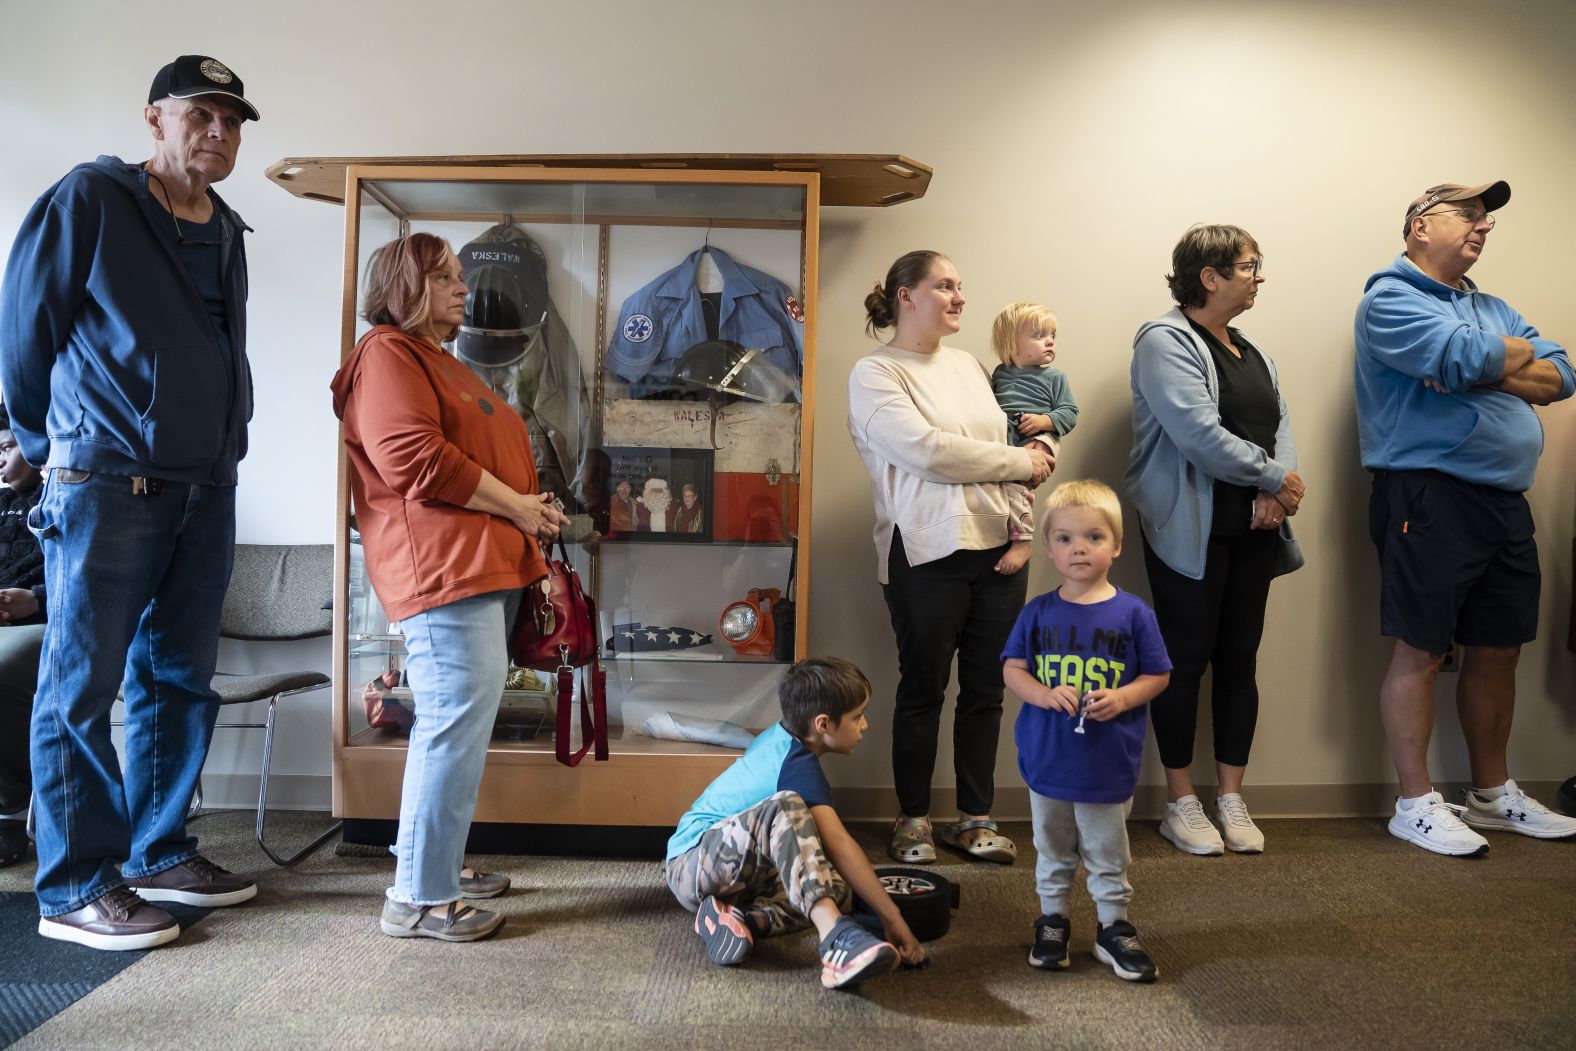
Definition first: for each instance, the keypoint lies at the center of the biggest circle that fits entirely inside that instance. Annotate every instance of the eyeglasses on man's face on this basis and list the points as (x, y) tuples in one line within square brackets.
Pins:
[(1470, 216), (1251, 267)]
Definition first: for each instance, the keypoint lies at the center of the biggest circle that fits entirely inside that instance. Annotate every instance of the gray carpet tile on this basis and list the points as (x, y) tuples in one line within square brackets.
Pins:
[(1338, 937)]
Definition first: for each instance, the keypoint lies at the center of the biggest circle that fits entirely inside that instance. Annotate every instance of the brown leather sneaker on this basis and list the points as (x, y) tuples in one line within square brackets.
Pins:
[(118, 920), (196, 881)]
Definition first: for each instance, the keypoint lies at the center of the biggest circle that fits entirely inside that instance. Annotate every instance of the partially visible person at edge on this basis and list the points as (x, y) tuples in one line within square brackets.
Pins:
[(1446, 380), (23, 610), (1213, 474), (450, 519), (929, 430), (123, 361)]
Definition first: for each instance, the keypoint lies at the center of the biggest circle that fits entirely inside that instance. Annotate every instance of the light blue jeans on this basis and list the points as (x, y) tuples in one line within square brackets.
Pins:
[(457, 659)]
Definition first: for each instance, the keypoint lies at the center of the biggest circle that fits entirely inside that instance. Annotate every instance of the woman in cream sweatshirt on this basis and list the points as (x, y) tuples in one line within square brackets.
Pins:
[(930, 433)]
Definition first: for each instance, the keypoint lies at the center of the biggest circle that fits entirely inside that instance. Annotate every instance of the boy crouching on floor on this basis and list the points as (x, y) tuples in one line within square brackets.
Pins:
[(762, 852)]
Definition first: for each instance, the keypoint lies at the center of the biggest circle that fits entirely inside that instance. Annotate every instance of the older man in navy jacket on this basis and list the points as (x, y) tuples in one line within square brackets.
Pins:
[(123, 361)]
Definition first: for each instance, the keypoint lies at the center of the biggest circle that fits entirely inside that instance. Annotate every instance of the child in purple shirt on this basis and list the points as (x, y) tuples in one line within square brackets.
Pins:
[(1086, 659)]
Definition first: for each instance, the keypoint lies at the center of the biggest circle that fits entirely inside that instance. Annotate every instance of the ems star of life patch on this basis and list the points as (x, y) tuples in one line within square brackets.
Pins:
[(638, 328)]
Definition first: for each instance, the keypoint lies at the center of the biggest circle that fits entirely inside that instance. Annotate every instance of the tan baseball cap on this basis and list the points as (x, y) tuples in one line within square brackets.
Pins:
[(1494, 195)]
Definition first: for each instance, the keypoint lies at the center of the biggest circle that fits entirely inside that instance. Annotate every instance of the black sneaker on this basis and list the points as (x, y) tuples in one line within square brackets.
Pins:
[(850, 954), (1049, 951), (725, 931), (1118, 946)]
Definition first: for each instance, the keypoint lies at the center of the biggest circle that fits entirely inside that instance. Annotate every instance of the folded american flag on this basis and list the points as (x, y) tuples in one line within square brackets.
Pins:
[(638, 638)]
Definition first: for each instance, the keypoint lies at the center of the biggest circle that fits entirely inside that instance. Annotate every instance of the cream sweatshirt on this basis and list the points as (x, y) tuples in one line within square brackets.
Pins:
[(934, 441)]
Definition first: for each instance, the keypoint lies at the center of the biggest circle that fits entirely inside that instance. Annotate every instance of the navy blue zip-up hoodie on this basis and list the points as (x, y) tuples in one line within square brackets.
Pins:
[(108, 358)]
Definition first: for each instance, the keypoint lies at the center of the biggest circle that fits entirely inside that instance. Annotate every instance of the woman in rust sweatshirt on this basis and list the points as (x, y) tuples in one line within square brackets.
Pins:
[(445, 497)]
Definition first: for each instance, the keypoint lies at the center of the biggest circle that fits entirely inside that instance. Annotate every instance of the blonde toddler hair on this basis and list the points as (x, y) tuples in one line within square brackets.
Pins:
[(1084, 493), (1012, 321)]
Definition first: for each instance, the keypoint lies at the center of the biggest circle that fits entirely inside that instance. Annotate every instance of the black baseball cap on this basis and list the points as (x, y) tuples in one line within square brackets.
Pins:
[(193, 75)]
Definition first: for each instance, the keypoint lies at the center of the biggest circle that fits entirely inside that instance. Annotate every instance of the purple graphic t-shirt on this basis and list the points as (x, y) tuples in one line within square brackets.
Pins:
[(1102, 645)]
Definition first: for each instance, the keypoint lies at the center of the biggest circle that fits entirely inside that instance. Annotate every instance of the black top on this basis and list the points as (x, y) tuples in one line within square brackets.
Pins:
[(21, 558), (1249, 409)]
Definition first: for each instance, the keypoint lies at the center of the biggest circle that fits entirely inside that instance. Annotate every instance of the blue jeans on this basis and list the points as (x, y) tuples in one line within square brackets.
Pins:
[(135, 584), (458, 657)]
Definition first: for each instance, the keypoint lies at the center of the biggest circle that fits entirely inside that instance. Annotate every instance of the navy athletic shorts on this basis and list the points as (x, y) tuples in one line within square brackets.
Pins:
[(1457, 561)]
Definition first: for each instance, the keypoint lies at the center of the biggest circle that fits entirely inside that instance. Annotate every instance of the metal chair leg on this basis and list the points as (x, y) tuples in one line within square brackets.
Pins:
[(262, 800)]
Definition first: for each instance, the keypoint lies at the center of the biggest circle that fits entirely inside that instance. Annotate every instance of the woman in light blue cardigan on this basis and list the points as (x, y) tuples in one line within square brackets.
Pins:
[(1212, 475)]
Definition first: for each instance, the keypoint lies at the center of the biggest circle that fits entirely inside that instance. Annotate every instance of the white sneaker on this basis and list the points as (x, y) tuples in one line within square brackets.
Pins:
[(1189, 830), (1433, 824), (1515, 811), (1236, 827)]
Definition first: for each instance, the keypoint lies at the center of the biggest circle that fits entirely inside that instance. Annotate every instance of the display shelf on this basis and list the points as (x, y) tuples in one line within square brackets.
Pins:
[(628, 427), (619, 742), (857, 180), (609, 542), (729, 657)]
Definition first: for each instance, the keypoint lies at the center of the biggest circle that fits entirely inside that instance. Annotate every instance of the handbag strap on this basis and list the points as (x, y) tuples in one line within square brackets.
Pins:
[(593, 714), (593, 684)]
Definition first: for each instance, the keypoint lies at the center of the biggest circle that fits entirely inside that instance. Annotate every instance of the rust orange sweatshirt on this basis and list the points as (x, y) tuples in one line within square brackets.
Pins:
[(420, 428)]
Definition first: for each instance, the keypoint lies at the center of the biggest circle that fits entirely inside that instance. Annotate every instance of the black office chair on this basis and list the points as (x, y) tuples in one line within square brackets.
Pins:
[(276, 594)]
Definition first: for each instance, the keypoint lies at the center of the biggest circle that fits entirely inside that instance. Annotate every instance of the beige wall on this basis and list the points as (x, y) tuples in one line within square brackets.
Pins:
[(1071, 144)]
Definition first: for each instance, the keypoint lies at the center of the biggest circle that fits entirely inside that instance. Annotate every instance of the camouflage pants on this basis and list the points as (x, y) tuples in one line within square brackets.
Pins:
[(767, 861)]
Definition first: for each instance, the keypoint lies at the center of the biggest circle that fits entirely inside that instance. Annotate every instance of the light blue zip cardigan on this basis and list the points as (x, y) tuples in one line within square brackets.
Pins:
[(1180, 448)]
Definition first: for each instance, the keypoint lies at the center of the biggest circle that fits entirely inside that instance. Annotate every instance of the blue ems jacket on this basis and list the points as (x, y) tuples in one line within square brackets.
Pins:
[(109, 358), (660, 322)]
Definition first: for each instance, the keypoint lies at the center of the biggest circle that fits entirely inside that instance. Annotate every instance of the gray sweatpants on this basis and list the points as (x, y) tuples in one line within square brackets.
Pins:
[(1095, 832)]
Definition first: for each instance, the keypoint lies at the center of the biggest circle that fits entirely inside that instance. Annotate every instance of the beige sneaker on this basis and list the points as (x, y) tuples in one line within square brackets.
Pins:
[(1236, 827), (1189, 830)]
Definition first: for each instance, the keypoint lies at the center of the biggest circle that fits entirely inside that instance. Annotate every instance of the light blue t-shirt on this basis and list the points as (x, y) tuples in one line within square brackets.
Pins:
[(776, 761)]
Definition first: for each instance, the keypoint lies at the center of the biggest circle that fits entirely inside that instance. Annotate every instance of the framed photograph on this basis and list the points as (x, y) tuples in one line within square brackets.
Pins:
[(658, 494)]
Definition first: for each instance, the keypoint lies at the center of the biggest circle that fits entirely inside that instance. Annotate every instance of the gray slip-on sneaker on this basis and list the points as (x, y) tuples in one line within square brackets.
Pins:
[(454, 922)]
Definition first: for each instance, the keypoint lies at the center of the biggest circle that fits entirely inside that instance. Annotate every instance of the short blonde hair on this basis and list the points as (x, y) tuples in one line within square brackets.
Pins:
[(1011, 322), (1084, 493)]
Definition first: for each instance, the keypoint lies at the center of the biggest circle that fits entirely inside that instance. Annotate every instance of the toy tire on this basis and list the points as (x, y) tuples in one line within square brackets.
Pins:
[(924, 899), (1566, 800)]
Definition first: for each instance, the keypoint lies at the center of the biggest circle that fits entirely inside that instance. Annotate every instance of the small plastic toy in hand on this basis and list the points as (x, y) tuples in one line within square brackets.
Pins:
[(1083, 702)]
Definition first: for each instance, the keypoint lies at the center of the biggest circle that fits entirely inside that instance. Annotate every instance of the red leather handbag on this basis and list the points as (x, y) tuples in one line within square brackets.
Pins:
[(556, 631)]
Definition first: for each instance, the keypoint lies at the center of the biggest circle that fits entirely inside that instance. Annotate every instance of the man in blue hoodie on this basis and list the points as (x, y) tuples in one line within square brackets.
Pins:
[(123, 362), (1446, 380)]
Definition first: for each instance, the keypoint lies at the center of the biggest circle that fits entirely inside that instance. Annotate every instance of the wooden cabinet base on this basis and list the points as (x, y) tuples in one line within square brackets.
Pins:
[(643, 782)]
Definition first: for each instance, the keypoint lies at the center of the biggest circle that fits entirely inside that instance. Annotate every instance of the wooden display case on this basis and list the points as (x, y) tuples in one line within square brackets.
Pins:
[(720, 465)]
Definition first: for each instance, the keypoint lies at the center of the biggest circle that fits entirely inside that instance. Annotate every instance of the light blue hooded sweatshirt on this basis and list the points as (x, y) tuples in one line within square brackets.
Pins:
[(1411, 328), (1180, 448)]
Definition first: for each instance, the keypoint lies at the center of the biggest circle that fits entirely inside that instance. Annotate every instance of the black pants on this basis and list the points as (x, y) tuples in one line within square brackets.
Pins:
[(1216, 623), (956, 605)]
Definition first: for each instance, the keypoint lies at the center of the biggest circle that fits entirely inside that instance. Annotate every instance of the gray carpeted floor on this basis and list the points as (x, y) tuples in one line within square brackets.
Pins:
[(1339, 936)]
